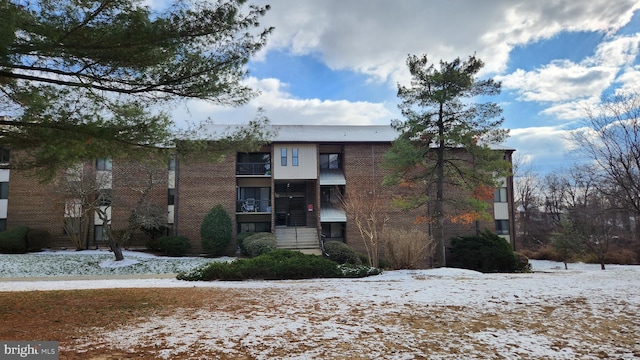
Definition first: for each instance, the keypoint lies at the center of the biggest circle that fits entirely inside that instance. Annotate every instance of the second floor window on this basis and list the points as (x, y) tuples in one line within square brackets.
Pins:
[(5, 154), (294, 157), (283, 156), (500, 195), (4, 190), (171, 198)]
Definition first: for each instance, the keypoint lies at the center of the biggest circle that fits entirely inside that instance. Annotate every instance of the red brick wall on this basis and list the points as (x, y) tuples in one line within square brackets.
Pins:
[(38, 205), (129, 180), (364, 171), (35, 205), (199, 187)]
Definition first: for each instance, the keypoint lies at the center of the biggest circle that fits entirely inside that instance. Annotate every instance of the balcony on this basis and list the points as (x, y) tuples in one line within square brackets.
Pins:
[(253, 169), (257, 206)]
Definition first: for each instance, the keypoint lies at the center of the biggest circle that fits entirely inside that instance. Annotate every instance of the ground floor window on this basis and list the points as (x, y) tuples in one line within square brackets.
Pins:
[(333, 231), (99, 234), (244, 227)]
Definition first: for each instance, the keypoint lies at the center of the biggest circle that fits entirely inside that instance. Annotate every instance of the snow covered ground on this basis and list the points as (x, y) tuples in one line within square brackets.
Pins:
[(444, 313)]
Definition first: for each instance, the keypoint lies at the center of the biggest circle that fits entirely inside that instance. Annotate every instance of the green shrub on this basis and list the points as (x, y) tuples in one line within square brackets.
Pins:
[(174, 245), (277, 265), (522, 263), (358, 271), (240, 239), (486, 252), (340, 252), (37, 239), (259, 243), (13, 241), (154, 244), (216, 231)]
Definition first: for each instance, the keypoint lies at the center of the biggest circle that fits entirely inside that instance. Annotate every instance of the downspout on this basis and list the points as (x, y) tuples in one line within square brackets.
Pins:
[(176, 198)]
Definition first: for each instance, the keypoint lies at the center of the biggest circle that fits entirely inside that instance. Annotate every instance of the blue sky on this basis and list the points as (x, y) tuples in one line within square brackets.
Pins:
[(339, 62)]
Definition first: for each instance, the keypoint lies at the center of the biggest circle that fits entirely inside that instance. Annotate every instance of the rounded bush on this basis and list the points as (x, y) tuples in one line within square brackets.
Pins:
[(37, 239), (486, 252), (174, 245), (14, 241), (522, 263), (340, 252), (216, 231), (259, 243), (240, 240)]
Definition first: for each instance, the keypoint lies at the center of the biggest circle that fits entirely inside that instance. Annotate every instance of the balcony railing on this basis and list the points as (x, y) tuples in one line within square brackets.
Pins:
[(255, 206), (252, 168)]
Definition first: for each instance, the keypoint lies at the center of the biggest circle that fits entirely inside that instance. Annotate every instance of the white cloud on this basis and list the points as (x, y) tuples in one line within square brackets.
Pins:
[(282, 108), (374, 37), (570, 87), (548, 147)]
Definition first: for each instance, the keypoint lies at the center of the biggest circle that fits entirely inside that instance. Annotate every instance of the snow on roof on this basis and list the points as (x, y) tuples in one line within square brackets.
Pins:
[(328, 133), (334, 133)]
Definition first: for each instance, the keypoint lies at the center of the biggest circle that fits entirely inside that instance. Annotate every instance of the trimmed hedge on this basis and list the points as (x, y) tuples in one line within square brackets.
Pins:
[(276, 265), (14, 241), (259, 243), (486, 252), (174, 245), (340, 252), (216, 231)]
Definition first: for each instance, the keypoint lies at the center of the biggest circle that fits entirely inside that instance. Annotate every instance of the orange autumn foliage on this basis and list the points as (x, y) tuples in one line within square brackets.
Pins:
[(483, 192), (466, 218), (420, 219)]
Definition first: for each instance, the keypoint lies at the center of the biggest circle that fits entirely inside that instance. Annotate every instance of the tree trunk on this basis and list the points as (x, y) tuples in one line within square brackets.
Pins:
[(440, 191), (117, 250)]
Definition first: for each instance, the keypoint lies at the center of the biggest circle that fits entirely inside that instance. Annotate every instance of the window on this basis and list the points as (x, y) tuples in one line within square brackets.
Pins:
[(103, 164), (104, 197), (294, 156), (500, 195), (72, 225), (172, 164), (4, 190), (99, 233), (3, 224), (283, 156), (329, 161), (253, 164), (5, 154), (502, 227), (330, 196), (254, 227), (261, 199), (171, 196)]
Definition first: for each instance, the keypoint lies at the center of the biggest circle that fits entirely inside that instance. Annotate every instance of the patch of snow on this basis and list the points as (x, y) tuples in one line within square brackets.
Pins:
[(537, 311)]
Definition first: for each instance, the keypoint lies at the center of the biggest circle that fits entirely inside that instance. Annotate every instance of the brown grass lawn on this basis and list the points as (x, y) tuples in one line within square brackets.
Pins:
[(101, 324)]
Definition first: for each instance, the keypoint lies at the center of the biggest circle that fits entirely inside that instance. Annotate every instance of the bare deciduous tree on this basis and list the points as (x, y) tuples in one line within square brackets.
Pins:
[(612, 140), (368, 213), (88, 193)]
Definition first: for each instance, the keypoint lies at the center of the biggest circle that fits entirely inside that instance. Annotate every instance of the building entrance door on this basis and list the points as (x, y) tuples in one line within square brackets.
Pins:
[(290, 204)]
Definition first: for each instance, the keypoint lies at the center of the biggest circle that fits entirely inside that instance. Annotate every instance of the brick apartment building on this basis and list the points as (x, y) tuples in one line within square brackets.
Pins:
[(290, 187)]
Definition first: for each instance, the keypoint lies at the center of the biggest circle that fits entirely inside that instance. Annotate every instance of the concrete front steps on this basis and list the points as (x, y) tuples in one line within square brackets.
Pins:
[(302, 239)]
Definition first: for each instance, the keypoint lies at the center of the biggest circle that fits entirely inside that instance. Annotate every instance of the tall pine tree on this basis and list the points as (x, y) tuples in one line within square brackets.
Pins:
[(79, 78), (444, 143)]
